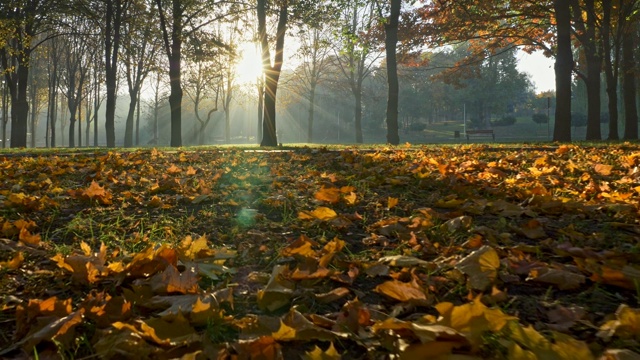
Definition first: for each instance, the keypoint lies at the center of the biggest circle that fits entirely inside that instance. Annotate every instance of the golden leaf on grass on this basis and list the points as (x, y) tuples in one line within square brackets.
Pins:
[(97, 192), (14, 263), (402, 291), (189, 248), (302, 246), (328, 194), (350, 198), (173, 169), (603, 169), (391, 202), (403, 261), (330, 249), (533, 229), (481, 267), (29, 239), (626, 325), (173, 281), (321, 213), (155, 202), (563, 279), (104, 310), (318, 354), (472, 319)]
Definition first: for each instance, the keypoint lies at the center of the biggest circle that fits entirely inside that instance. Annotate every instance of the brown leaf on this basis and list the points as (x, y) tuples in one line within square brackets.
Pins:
[(563, 279), (481, 267), (402, 291), (328, 194)]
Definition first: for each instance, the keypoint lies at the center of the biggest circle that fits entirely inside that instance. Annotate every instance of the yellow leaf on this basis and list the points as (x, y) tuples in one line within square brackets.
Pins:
[(173, 169), (625, 326), (284, 333), (330, 195), (155, 202), (321, 213), (318, 354), (391, 202), (86, 249), (350, 198)]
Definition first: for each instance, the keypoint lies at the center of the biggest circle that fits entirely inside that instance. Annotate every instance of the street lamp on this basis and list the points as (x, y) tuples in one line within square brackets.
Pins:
[(4, 115)]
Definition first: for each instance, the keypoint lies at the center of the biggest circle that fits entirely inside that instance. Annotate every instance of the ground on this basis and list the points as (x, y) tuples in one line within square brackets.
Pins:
[(449, 252)]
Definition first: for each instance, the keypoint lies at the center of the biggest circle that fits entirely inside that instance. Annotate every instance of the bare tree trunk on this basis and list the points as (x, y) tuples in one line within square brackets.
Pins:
[(629, 83), (272, 72), (563, 68), (391, 42)]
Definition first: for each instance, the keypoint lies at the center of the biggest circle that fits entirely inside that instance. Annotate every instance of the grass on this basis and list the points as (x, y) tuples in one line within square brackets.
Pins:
[(249, 201)]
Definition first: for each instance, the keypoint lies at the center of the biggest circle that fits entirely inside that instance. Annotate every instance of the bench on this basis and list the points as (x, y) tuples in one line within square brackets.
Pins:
[(484, 132)]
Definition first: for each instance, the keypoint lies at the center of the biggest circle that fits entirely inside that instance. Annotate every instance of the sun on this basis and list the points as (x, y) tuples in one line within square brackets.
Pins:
[(249, 67)]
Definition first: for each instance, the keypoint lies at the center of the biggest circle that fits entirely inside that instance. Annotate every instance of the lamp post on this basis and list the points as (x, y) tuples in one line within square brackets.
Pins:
[(4, 114)]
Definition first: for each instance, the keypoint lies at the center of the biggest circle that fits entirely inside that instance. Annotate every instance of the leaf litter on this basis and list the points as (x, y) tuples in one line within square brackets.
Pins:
[(466, 252)]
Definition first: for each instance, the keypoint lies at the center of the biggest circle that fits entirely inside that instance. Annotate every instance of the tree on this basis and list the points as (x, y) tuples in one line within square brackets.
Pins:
[(115, 16), (356, 53), (629, 73), (314, 62), (271, 70), (140, 51), (391, 42), (203, 80), (23, 21), (563, 67), (74, 75)]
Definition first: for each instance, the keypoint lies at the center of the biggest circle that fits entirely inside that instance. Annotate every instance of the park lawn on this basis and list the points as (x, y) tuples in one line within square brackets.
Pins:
[(465, 251)]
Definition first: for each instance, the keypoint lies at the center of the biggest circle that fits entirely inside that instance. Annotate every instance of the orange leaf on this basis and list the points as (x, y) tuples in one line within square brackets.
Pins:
[(391, 202), (401, 291), (14, 263), (330, 195), (27, 238), (603, 169)]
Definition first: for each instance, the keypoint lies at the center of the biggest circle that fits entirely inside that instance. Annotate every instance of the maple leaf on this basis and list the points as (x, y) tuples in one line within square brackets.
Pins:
[(14, 263), (278, 290), (626, 325), (318, 354), (321, 213)]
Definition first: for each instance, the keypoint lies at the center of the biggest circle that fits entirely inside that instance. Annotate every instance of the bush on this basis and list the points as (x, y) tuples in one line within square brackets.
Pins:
[(540, 118), (504, 121), (417, 126), (578, 119)]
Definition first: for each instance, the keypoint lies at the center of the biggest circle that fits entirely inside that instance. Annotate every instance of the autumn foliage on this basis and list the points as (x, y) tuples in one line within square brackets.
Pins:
[(465, 252)]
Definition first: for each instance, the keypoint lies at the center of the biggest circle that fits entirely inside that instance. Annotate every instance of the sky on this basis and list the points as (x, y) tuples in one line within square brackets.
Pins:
[(540, 68)]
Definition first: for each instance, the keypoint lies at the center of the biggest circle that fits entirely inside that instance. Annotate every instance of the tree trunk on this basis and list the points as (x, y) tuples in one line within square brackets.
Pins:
[(629, 84), (260, 111), (138, 122), (563, 68), (72, 123), (594, 66), (34, 108), (312, 99), (20, 106), (128, 131), (114, 16), (610, 68), (175, 58), (96, 104), (79, 122), (391, 42), (358, 115), (272, 73)]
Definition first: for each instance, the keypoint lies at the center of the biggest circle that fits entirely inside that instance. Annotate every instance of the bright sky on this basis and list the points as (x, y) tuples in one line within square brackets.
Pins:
[(540, 68)]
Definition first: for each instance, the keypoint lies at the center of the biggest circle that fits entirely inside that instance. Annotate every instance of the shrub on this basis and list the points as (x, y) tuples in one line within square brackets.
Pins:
[(504, 121), (578, 119), (540, 118), (417, 126)]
